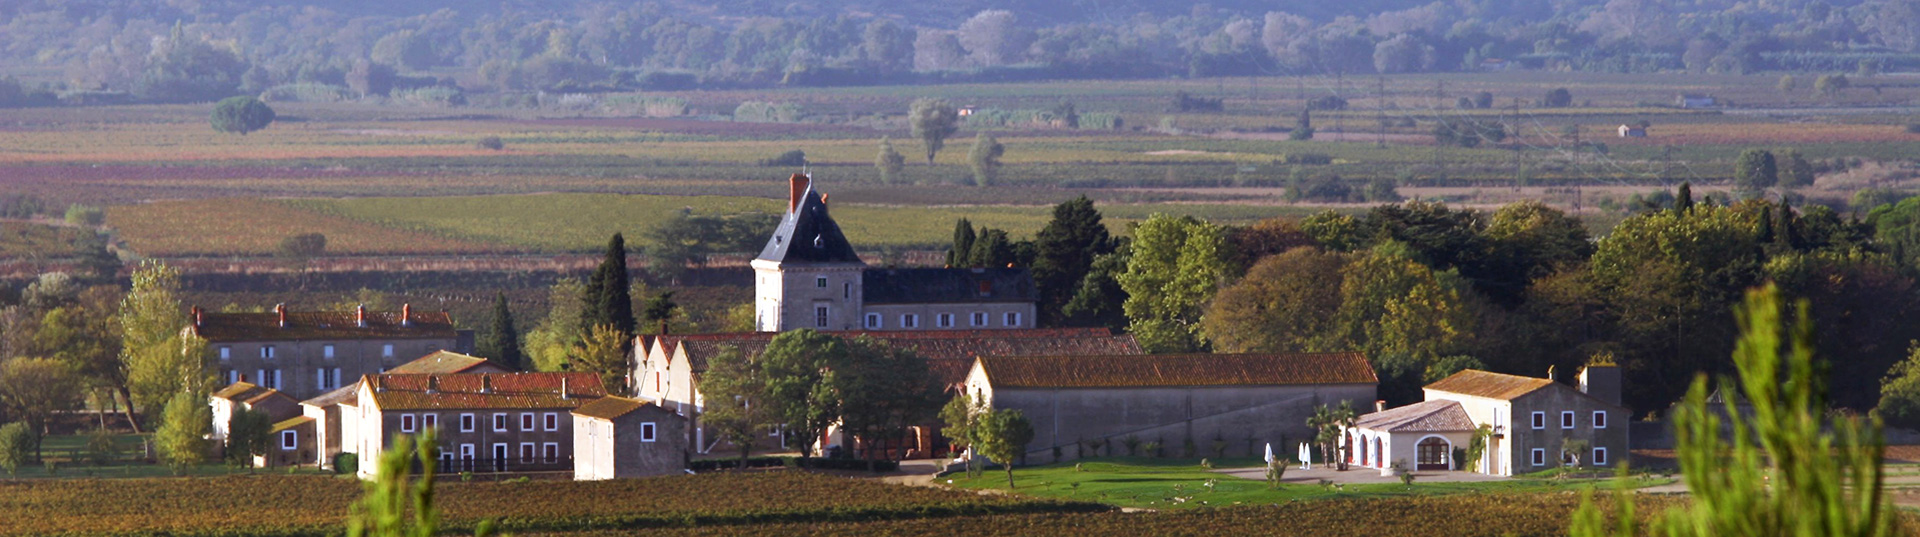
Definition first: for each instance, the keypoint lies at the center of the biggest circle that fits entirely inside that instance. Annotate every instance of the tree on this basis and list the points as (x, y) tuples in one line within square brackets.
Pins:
[(501, 343), (1404, 314), (1558, 98), (369, 78), (1329, 424), (248, 435), (1003, 436), (1830, 85), (984, 159), (883, 391), (160, 360), (933, 120), (659, 309), (1099, 299), (1285, 303), (299, 249), (960, 420), (85, 216), (1303, 128), (1786, 85), (1795, 171), (33, 389), (891, 163), (961, 254), (181, 437), (604, 351), (609, 293), (17, 445), (1065, 250), (1900, 393), (991, 249), (241, 115), (1755, 171), (549, 345), (1483, 99), (1807, 473), (801, 391), (1683, 201), (1176, 265), (732, 387), (888, 45), (993, 37)]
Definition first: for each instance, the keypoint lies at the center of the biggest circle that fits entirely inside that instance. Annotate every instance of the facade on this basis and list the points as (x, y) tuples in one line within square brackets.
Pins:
[(291, 442), (618, 437), (667, 369), (325, 412), (308, 353), (809, 276), (1530, 421), (1184, 403), (487, 423)]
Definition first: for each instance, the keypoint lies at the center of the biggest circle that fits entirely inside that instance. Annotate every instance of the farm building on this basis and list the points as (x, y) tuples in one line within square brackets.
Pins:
[(487, 423), (808, 276), (618, 437), (1532, 423), (1633, 131), (1185, 403), (308, 353)]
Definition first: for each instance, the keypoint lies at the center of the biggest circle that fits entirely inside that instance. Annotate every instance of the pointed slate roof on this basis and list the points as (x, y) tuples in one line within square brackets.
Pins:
[(1439, 415), (808, 235)]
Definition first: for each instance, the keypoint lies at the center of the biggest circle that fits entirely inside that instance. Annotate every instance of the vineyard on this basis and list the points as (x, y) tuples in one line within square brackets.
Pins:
[(280, 505)]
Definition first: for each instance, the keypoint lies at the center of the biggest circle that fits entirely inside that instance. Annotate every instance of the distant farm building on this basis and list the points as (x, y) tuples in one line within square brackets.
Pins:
[(1633, 131)]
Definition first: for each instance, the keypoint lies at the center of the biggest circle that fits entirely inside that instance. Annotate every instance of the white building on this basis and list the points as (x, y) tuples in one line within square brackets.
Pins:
[(1531, 424)]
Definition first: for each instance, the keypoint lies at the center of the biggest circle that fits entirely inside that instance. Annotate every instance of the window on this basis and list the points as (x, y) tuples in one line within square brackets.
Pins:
[(289, 440), (1013, 319), (272, 379), (1539, 420), (846, 290), (466, 455), (552, 452), (226, 353), (266, 351), (320, 378), (233, 376), (1599, 456), (1539, 457), (979, 318), (336, 378), (499, 422), (944, 320), (553, 421), (820, 282), (326, 351), (500, 455), (406, 423), (820, 316), (1599, 419), (873, 321), (386, 351), (430, 421), (527, 452), (646, 432), (909, 321), (986, 288), (1566, 419), (466, 423), (260, 377)]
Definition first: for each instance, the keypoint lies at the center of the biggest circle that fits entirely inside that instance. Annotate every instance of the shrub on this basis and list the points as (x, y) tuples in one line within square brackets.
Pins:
[(101, 449), (305, 92), (491, 142), (1184, 102), (241, 115), (1327, 102), (85, 216), (432, 96), (791, 158), (764, 112), (1308, 158), (16, 446)]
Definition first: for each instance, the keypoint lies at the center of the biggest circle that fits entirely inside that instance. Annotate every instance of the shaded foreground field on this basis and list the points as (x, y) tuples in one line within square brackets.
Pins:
[(281, 505)]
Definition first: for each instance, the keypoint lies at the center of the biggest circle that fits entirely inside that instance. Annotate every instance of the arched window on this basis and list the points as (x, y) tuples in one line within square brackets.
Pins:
[(1379, 459), (1433, 453)]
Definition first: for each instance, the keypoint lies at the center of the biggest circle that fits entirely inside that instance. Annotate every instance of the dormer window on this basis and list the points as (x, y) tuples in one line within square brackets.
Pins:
[(986, 287)]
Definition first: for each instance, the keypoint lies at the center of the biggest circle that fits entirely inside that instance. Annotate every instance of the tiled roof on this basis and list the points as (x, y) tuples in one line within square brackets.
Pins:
[(441, 362), (1490, 385), (933, 345), (306, 325), (290, 423), (609, 407), (1438, 415), (808, 235), (1108, 371), (343, 395), (947, 286), (239, 391), (485, 390), (256, 398)]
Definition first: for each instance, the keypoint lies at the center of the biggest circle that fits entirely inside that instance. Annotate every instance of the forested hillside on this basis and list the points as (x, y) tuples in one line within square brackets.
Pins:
[(439, 51)]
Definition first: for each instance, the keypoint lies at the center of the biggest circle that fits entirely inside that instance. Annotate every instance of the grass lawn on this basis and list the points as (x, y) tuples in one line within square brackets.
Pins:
[(1183, 483)]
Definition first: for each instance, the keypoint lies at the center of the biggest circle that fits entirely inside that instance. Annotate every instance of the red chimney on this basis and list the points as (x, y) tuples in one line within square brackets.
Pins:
[(796, 188), (406, 315), (196, 315), (1380, 405), (360, 315), (281, 309)]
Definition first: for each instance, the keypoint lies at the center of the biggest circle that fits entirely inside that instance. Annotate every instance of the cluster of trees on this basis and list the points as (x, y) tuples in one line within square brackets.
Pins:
[(590, 325), (588, 45), (1062, 256), (1426, 290)]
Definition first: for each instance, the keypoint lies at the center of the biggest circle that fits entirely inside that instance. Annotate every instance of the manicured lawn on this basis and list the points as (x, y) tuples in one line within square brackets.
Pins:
[(1183, 483)]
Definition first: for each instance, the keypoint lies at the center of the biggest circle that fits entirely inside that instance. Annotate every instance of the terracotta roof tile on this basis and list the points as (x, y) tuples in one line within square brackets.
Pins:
[(609, 407), (1439, 415), (239, 391), (304, 325), (343, 395), (1106, 371), (1490, 385), (507, 390), (290, 423), (440, 362)]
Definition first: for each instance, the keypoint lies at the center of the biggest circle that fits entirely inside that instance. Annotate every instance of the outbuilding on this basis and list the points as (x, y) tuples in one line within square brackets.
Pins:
[(619, 437)]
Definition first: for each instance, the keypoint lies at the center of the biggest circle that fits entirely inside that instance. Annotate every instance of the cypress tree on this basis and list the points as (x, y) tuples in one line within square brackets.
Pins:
[(609, 297), (1064, 254), (502, 343), (1683, 201), (961, 253), (1765, 235)]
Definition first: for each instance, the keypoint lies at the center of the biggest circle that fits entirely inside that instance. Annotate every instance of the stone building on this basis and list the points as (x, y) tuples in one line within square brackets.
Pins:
[(308, 353), (1192, 405), (487, 423), (1531, 423), (618, 437), (809, 276)]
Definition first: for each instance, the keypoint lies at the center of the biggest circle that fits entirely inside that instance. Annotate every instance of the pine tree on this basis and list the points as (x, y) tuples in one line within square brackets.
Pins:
[(609, 297), (1066, 249), (962, 250), (502, 343), (1683, 201)]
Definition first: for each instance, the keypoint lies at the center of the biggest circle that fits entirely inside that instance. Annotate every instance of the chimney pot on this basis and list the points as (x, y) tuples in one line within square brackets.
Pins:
[(360, 315), (486, 383), (796, 190), (1380, 405), (196, 316), (281, 310), (433, 384), (563, 387), (406, 315)]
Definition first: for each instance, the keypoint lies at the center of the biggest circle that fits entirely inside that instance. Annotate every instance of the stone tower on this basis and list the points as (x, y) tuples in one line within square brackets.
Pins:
[(808, 275)]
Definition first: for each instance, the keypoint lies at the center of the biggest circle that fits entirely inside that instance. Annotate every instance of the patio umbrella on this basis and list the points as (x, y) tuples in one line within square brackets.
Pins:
[(1269, 453), (1306, 457)]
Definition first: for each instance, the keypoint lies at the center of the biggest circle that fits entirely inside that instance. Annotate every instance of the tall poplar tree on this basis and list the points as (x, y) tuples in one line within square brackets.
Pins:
[(502, 344), (609, 296), (962, 250)]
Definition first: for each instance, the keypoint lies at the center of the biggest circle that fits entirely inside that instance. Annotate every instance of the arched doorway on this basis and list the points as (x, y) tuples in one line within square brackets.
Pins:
[(1379, 458), (1433, 453)]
